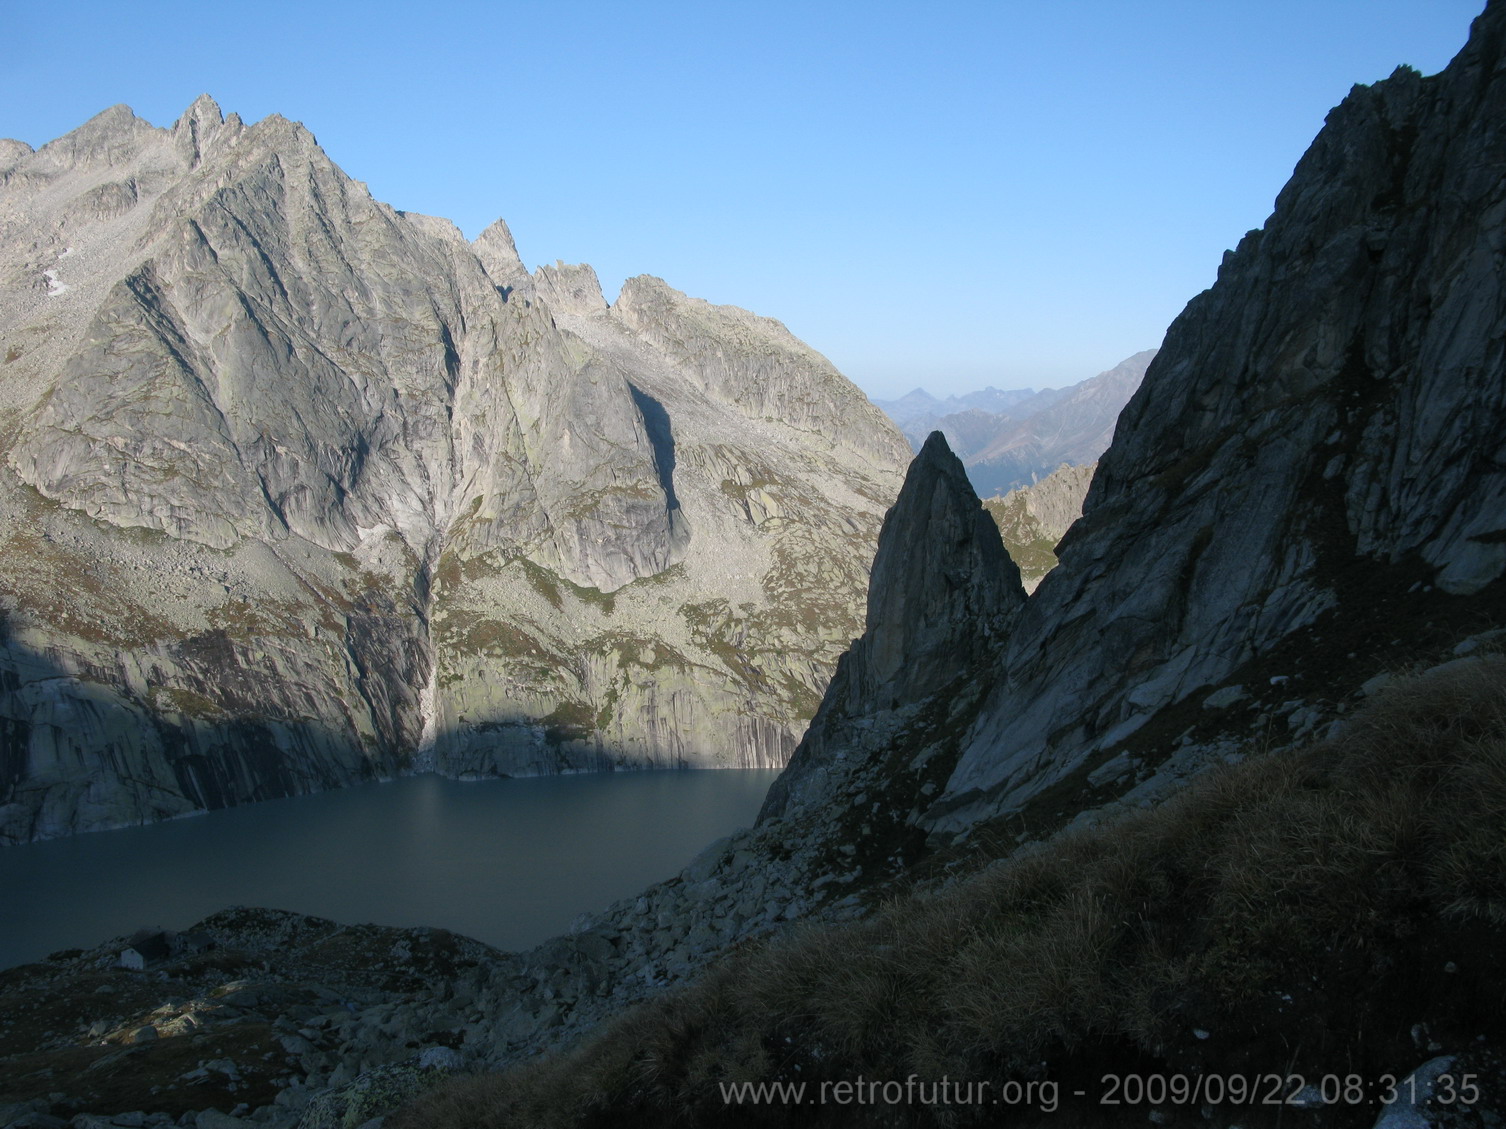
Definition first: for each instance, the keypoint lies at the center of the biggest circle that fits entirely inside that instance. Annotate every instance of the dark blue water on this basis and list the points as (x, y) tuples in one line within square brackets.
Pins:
[(509, 862)]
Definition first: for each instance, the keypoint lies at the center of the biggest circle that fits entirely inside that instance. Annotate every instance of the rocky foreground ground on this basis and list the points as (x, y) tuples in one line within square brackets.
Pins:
[(285, 1007)]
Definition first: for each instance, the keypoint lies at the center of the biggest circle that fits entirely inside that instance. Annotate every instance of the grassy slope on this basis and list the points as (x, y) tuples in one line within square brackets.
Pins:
[(1301, 913)]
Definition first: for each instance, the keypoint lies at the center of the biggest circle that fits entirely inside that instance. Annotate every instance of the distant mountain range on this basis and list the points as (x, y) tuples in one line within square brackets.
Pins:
[(1007, 438)]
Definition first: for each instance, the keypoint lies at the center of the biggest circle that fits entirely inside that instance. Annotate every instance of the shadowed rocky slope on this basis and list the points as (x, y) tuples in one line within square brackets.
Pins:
[(1313, 462), (300, 489), (943, 588)]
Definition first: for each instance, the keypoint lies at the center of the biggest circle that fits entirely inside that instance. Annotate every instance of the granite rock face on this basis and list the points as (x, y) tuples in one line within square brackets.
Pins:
[(942, 596), (1307, 488), (299, 489), (754, 364), (1316, 449), (940, 587)]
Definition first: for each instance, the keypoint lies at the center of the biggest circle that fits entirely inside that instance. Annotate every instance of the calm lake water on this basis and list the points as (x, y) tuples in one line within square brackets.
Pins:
[(509, 862)]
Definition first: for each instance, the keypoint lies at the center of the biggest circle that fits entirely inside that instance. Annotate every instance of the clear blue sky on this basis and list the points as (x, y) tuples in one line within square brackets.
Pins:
[(953, 194)]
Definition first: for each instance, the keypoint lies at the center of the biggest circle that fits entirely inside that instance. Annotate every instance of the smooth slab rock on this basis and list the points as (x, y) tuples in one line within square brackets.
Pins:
[(1322, 425)]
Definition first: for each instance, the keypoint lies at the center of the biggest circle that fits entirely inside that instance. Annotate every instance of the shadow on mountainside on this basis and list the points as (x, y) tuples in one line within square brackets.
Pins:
[(83, 748), (160, 753)]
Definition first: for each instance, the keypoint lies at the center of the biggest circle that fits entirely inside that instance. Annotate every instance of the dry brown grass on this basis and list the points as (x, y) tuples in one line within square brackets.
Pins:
[(1299, 906)]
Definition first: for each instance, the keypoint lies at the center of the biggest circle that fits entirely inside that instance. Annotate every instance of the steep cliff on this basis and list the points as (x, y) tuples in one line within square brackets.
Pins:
[(300, 489), (1310, 480), (942, 596)]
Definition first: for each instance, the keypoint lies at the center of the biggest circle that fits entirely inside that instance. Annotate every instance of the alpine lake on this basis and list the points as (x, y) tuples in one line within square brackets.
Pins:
[(509, 862)]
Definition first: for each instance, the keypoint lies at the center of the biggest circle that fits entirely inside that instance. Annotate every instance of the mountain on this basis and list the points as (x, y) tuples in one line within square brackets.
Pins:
[(943, 594), (1011, 439), (1033, 519), (918, 409), (1177, 814), (1164, 816), (300, 490), (1075, 428), (1305, 491), (1308, 475)]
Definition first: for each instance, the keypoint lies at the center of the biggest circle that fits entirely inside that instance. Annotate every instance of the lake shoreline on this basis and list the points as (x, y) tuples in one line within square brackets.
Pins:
[(390, 851)]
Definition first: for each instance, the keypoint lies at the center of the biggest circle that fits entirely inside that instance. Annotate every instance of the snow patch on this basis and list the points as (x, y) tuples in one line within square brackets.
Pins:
[(56, 286)]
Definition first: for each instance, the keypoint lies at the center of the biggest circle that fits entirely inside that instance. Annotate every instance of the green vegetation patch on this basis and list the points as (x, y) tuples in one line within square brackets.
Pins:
[(247, 619), (107, 1079), (495, 638), (187, 702), (715, 627), (448, 572), (543, 581), (1033, 554), (568, 721), (605, 602), (591, 503), (739, 491), (43, 581), (483, 565)]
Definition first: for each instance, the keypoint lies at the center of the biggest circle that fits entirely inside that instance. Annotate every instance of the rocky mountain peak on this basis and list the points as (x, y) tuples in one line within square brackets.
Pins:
[(200, 126), (288, 137), (940, 585), (306, 489), (572, 288), (499, 254), (756, 366), (110, 137), (642, 295), (941, 595), (202, 112), (12, 152)]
